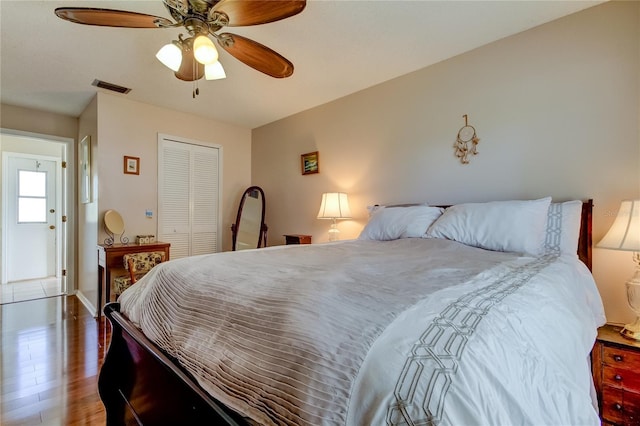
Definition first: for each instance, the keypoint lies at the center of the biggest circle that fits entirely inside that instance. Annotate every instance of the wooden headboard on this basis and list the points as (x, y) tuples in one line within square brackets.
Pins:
[(586, 239)]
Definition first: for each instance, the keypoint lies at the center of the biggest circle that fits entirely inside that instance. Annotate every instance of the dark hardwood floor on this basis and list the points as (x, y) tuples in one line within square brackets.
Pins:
[(51, 351)]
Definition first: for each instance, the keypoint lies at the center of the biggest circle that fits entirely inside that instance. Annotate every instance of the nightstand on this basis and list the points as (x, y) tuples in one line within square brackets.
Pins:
[(615, 361), (297, 239)]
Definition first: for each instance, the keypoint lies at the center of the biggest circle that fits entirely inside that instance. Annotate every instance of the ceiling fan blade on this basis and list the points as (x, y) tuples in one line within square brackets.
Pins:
[(255, 12), (110, 17), (256, 55)]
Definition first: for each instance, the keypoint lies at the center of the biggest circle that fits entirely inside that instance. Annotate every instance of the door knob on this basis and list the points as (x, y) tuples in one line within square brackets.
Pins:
[(52, 227), (52, 210)]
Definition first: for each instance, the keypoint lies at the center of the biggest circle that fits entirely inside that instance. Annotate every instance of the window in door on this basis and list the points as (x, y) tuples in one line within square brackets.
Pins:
[(32, 197)]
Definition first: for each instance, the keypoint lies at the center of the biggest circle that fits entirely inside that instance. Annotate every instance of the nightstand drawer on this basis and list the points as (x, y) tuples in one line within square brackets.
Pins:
[(620, 407), (620, 377), (621, 358), (616, 376)]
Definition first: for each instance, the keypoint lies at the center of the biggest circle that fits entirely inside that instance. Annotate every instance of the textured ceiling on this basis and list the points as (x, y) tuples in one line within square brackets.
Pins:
[(338, 47)]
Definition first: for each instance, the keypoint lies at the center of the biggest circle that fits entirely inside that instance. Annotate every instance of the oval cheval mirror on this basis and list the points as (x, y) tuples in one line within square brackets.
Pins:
[(250, 231)]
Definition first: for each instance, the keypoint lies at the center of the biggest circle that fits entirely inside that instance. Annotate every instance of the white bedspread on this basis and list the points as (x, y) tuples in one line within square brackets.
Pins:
[(412, 331)]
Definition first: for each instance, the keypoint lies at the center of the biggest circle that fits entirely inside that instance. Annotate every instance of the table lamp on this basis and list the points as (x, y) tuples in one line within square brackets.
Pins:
[(624, 234), (335, 205)]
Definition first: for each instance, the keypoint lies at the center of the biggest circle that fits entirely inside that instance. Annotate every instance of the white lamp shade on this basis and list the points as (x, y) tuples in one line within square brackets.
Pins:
[(335, 205), (214, 71), (204, 50), (624, 234), (171, 56)]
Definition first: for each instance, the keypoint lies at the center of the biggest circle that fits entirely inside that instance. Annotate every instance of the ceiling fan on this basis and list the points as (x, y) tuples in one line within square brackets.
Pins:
[(193, 57)]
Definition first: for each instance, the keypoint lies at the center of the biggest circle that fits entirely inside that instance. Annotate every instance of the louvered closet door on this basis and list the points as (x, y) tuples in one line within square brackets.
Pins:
[(188, 190), (204, 219)]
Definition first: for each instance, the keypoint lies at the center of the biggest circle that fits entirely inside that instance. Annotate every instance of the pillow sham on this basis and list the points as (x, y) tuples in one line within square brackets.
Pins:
[(392, 223), (563, 227), (513, 226)]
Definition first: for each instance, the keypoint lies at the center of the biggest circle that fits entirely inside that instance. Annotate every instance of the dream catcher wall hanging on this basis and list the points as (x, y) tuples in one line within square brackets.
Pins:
[(466, 142)]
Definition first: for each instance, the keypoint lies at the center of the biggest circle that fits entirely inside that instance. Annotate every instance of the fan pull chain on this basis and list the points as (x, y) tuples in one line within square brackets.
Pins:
[(193, 74), (194, 71)]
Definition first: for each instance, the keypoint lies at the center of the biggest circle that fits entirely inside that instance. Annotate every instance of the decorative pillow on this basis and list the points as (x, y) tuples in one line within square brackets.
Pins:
[(514, 226), (563, 227), (392, 223)]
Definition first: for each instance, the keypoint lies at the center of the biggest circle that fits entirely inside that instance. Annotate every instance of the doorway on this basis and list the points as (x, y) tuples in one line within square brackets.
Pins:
[(33, 232)]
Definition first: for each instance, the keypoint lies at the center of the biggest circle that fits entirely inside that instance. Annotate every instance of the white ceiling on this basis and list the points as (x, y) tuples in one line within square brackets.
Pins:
[(338, 47)]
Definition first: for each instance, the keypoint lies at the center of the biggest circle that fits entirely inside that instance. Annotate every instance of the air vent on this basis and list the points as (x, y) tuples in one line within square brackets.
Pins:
[(110, 86)]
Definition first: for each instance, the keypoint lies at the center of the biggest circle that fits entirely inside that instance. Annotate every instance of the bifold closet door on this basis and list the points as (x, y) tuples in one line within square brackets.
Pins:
[(188, 197)]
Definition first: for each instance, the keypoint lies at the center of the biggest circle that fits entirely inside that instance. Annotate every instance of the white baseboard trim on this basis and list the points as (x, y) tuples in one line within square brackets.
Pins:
[(87, 304)]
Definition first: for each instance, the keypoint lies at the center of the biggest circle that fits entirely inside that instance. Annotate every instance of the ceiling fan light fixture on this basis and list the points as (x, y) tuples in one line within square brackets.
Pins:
[(171, 56), (214, 71), (202, 19), (204, 50)]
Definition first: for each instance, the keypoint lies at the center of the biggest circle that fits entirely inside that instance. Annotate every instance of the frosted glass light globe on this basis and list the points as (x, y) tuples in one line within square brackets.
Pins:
[(204, 50)]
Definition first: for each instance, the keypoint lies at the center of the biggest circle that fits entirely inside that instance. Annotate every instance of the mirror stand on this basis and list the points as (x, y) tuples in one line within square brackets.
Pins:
[(111, 237), (249, 231), (114, 225)]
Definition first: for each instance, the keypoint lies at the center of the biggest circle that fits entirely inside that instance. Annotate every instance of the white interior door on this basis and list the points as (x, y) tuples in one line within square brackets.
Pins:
[(31, 218)]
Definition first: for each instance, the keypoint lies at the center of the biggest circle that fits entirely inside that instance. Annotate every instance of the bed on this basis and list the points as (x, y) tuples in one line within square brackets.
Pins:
[(479, 313)]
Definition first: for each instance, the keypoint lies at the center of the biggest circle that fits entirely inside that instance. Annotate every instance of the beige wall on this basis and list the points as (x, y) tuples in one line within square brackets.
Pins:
[(34, 121), (556, 109), (131, 128), (119, 127), (88, 224)]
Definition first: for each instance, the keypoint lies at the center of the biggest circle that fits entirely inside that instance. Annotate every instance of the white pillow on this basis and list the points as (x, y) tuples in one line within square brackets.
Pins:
[(563, 227), (514, 226), (392, 223)]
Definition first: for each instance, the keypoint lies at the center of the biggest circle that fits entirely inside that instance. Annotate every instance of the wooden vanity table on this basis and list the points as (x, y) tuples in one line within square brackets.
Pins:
[(110, 262)]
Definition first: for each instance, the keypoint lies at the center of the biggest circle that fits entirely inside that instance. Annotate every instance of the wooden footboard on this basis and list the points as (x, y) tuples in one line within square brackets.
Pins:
[(140, 385)]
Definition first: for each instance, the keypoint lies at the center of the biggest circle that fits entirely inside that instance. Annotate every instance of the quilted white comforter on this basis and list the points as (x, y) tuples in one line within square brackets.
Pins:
[(411, 331)]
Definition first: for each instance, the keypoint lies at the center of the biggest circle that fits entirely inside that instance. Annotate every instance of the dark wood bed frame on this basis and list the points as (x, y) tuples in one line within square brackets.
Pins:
[(140, 385)]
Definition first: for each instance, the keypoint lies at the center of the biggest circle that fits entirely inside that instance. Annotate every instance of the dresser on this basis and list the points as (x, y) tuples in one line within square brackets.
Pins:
[(615, 361), (110, 262)]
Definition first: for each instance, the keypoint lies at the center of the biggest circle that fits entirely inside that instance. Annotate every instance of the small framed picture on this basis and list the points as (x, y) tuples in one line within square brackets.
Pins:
[(132, 165), (310, 163)]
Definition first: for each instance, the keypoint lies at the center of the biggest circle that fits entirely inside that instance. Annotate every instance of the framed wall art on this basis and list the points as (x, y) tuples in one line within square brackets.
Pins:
[(310, 163), (131, 165), (85, 169)]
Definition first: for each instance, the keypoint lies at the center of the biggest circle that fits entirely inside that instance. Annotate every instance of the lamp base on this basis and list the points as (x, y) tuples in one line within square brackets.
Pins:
[(334, 233), (632, 331)]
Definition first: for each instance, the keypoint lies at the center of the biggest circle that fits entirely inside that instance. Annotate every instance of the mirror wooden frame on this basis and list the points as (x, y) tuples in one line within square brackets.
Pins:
[(262, 237)]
